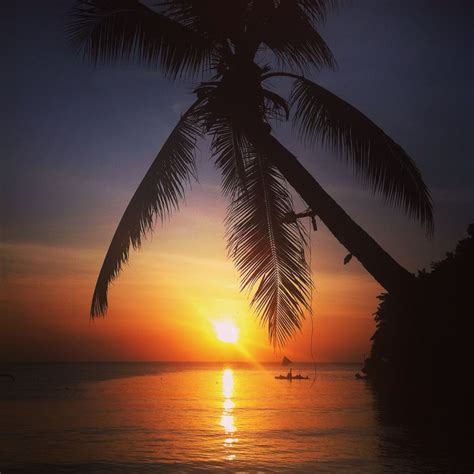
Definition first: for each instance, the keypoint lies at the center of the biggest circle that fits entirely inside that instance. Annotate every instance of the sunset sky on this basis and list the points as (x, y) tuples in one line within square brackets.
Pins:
[(77, 140)]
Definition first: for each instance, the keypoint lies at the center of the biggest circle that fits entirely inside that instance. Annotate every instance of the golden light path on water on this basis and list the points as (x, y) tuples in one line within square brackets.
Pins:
[(171, 417), (228, 332), (227, 418)]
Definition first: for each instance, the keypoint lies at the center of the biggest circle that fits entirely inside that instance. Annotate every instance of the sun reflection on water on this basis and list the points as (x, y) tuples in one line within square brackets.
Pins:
[(228, 404), (227, 418), (228, 383)]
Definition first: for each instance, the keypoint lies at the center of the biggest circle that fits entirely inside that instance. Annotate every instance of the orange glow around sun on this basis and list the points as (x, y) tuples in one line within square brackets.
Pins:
[(160, 310), (226, 331)]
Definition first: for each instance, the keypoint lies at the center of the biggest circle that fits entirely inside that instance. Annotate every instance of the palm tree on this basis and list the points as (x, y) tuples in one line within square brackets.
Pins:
[(231, 50)]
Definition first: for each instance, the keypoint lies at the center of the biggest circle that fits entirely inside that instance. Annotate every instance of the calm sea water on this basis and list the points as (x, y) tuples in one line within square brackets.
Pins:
[(155, 417)]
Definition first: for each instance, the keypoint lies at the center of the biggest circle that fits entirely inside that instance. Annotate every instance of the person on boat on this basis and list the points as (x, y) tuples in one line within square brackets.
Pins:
[(289, 375)]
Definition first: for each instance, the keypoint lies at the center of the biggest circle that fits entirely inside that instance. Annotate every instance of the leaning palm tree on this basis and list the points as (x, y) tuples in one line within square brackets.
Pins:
[(231, 51)]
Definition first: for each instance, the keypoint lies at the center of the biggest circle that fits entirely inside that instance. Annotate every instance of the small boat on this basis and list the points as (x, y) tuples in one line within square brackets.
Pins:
[(293, 377)]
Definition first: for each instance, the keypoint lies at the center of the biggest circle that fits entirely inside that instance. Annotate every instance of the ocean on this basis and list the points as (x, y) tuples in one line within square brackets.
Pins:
[(189, 417)]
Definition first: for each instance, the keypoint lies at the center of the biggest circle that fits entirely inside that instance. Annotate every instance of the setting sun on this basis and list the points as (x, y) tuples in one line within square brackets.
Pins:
[(226, 331)]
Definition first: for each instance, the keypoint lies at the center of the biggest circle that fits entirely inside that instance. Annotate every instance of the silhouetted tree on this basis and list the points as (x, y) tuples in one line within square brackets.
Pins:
[(417, 349), (231, 50)]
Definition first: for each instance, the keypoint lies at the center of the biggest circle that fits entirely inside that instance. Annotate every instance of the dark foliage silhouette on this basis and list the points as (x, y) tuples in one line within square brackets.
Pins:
[(416, 341), (231, 51), (420, 361)]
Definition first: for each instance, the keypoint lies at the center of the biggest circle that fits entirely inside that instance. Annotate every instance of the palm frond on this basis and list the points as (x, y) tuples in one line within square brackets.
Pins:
[(268, 252), (318, 10), (158, 195), (112, 30), (289, 33), (228, 145), (381, 164), (214, 19), (276, 107)]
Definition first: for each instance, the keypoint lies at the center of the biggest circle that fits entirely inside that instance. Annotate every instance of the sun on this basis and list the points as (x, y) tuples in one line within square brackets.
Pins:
[(226, 331)]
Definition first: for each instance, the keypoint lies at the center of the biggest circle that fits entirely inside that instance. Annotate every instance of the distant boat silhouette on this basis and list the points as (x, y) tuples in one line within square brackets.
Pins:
[(292, 377), (286, 361)]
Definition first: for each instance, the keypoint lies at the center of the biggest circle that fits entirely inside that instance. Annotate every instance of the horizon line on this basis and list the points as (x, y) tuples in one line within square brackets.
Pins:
[(170, 362)]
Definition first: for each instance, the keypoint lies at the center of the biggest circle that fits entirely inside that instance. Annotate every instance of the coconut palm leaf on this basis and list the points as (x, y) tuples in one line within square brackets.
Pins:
[(228, 147), (383, 165), (268, 252), (276, 107), (112, 30), (214, 19), (158, 195), (317, 10), (300, 45)]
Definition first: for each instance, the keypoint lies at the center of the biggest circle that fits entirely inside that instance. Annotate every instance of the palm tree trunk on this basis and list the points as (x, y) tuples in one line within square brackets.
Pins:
[(388, 273)]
